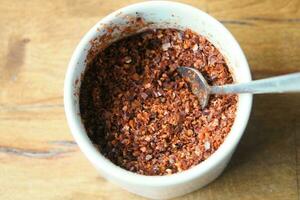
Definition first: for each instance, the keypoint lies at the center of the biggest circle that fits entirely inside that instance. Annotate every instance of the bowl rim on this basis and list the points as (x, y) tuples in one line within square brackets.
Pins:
[(112, 170)]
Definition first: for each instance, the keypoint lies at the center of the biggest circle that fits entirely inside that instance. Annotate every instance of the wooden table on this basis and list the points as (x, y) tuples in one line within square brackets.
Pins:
[(38, 157)]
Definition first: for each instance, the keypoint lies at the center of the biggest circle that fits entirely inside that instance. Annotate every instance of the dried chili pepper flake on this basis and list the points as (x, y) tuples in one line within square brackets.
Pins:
[(135, 77), (143, 149), (189, 132), (195, 47), (131, 123), (148, 157), (166, 46), (144, 95), (148, 85), (207, 145), (148, 138), (169, 171)]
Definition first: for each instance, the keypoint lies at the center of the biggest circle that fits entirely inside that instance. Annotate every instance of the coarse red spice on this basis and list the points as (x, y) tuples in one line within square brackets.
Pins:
[(141, 113)]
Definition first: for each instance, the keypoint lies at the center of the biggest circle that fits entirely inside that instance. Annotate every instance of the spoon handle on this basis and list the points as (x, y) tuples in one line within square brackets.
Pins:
[(278, 84)]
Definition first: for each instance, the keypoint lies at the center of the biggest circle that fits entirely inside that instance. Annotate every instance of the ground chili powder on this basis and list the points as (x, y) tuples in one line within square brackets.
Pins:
[(142, 115)]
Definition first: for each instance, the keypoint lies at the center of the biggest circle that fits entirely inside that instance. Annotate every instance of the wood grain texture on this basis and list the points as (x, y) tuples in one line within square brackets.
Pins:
[(38, 157)]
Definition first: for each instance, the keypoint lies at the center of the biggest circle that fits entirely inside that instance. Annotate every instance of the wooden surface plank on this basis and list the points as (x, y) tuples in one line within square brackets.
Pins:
[(267, 30), (38, 157)]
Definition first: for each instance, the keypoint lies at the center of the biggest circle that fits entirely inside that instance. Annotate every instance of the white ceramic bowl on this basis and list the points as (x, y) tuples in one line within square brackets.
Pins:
[(163, 14)]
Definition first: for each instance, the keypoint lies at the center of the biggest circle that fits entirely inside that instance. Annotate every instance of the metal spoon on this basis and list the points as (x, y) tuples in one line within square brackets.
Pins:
[(278, 84)]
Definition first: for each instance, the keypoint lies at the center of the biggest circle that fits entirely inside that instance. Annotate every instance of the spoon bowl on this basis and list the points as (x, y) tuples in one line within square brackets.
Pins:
[(197, 83)]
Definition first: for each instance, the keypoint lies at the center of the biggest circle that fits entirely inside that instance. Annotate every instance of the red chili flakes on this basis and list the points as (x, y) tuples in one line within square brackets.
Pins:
[(142, 115)]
